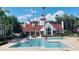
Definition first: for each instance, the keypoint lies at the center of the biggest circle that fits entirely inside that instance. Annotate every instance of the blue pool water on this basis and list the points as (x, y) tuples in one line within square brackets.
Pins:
[(56, 45), (40, 43), (55, 38)]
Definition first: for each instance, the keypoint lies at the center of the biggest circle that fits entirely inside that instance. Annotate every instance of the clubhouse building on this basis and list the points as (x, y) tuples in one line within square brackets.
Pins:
[(42, 28)]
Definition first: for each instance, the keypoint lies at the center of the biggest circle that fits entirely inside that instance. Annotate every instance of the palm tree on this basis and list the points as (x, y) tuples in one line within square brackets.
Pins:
[(2, 18), (2, 12), (16, 25)]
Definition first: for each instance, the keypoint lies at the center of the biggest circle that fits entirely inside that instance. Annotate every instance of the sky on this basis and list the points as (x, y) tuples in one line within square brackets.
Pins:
[(25, 13)]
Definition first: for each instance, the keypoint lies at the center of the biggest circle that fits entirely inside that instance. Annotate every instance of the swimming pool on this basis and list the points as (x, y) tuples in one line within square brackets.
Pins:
[(55, 38), (40, 43)]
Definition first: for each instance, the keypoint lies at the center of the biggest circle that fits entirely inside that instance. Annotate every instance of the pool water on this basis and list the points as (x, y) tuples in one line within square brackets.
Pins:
[(30, 43), (40, 43), (56, 45), (55, 38)]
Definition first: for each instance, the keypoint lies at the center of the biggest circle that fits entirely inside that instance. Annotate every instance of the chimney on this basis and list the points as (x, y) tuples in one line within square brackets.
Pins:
[(62, 24)]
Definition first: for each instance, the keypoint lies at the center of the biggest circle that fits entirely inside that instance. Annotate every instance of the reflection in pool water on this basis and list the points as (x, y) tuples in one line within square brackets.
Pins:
[(40, 43)]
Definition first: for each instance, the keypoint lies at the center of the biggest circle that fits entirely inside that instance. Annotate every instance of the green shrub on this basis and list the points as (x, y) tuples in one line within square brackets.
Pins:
[(68, 34), (24, 35), (3, 42)]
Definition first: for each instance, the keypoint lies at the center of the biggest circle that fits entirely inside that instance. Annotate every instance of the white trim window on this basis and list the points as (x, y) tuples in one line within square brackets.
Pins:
[(48, 31)]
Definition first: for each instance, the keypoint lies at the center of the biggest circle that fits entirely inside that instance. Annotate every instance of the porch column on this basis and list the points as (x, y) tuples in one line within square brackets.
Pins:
[(40, 34), (35, 33), (30, 35), (51, 32), (44, 32)]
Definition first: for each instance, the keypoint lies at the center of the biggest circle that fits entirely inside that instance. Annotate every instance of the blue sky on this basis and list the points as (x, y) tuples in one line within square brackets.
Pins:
[(26, 12)]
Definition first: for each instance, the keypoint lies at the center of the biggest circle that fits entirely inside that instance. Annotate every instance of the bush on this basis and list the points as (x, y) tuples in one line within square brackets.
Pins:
[(68, 34), (13, 35), (3, 42), (24, 35), (78, 34)]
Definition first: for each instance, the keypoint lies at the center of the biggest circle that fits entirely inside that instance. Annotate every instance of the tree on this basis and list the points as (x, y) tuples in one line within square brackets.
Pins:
[(69, 22), (9, 22), (2, 18), (16, 25)]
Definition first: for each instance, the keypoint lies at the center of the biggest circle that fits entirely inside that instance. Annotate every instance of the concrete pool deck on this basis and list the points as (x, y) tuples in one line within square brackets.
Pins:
[(73, 42)]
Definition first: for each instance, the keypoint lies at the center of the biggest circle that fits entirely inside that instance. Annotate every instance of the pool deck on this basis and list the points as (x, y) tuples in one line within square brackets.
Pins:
[(73, 42)]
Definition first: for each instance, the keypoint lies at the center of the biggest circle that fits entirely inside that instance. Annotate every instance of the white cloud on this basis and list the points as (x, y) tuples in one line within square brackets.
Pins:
[(8, 14), (27, 22), (35, 19), (60, 12), (49, 16), (25, 16), (32, 11)]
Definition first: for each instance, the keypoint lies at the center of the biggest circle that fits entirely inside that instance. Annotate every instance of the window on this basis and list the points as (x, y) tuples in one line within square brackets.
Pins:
[(32, 33), (42, 33), (37, 33), (48, 31)]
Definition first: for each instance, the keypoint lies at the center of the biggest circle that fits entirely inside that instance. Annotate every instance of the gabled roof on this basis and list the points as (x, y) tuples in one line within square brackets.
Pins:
[(29, 28), (57, 26), (37, 27)]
